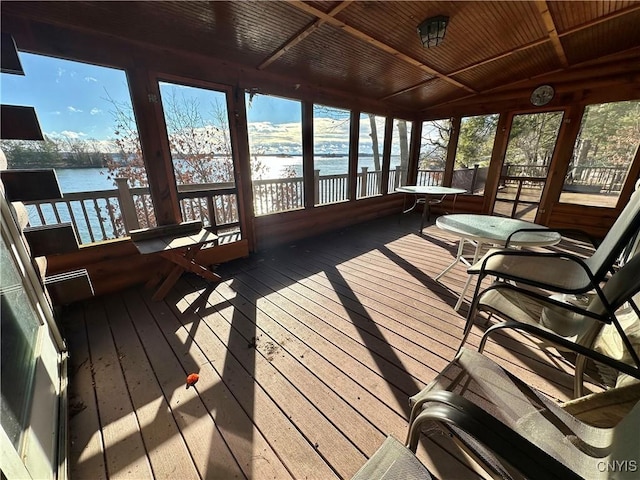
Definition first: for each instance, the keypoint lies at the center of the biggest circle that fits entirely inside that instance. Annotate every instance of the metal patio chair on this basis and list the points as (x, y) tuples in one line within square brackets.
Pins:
[(574, 323), (560, 272), (511, 430)]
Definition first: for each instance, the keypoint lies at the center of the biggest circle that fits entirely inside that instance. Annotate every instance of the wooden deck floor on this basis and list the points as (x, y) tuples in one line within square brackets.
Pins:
[(307, 355)]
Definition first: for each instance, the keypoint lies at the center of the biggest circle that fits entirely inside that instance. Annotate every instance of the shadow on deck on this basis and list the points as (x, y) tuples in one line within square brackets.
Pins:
[(307, 355)]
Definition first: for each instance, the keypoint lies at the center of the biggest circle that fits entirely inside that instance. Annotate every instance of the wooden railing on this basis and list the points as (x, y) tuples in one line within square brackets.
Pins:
[(430, 177), (580, 178), (108, 214)]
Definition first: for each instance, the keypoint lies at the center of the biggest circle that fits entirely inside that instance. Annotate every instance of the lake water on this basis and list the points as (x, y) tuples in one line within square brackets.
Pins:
[(92, 179)]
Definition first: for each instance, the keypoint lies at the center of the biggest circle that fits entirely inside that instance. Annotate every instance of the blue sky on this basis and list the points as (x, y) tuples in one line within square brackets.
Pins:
[(72, 101)]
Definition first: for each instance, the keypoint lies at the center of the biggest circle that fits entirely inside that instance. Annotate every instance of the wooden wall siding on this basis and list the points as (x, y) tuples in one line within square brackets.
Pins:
[(582, 13), (603, 39), (525, 64), (306, 356), (595, 220), (114, 265), (331, 57), (273, 230)]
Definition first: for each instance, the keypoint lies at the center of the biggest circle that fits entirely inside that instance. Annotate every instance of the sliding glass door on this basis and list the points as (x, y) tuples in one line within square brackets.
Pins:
[(30, 367)]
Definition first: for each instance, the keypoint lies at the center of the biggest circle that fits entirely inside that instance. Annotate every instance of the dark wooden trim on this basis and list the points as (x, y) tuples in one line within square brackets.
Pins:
[(354, 135), (30, 184), (145, 98), (19, 123), (307, 154), (497, 158), (10, 61), (559, 163), (450, 164), (414, 153)]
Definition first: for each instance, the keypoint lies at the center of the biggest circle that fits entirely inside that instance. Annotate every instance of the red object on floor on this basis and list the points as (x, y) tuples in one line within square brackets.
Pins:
[(192, 379)]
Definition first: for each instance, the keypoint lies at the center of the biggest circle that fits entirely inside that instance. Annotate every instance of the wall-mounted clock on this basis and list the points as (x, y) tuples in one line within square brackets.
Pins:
[(542, 95)]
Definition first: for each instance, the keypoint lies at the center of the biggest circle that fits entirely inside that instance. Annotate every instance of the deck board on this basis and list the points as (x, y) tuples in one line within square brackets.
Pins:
[(86, 449), (307, 355)]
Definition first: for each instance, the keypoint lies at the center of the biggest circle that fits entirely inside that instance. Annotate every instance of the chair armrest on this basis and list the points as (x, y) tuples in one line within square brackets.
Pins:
[(493, 263), (452, 410), (565, 232), (556, 339)]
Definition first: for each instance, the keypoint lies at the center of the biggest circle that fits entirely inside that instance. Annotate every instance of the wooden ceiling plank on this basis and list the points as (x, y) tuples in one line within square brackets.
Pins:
[(533, 44), (376, 43), (304, 33), (408, 89), (605, 68), (471, 67), (599, 20), (550, 25)]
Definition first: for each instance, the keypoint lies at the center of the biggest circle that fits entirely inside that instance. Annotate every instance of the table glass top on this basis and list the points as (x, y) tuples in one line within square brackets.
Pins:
[(496, 230), (430, 190)]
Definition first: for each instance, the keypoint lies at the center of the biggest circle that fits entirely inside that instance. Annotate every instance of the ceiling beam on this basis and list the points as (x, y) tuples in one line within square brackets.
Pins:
[(376, 43), (527, 46), (301, 35), (552, 32)]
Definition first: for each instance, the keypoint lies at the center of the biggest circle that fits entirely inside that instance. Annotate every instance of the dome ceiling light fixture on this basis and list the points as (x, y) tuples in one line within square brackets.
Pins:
[(432, 30)]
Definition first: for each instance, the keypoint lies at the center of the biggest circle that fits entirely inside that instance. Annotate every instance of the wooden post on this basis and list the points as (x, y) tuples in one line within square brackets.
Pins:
[(474, 178), (414, 152), (559, 164), (237, 112), (145, 97), (354, 131), (363, 183), (450, 163), (397, 181), (308, 173), (497, 157), (316, 189), (127, 207), (386, 155)]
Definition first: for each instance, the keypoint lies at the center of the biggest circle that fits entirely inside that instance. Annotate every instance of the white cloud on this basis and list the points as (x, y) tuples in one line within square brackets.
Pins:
[(95, 111), (72, 135), (57, 112), (90, 79), (74, 109), (60, 74)]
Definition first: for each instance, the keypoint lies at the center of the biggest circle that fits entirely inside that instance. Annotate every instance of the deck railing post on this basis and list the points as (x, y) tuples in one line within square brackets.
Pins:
[(474, 177), (127, 207), (397, 178), (363, 182), (316, 190)]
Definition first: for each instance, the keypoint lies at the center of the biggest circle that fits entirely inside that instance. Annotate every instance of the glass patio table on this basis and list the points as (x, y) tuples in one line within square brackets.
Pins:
[(426, 192), (480, 230)]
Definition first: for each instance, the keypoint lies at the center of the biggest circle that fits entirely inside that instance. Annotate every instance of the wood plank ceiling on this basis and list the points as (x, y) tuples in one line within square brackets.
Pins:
[(371, 49)]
